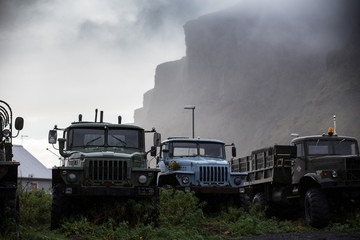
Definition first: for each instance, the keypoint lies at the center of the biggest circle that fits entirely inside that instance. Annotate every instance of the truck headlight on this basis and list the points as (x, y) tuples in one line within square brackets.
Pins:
[(237, 180), (185, 179), (71, 177), (142, 179), (6, 133), (334, 174)]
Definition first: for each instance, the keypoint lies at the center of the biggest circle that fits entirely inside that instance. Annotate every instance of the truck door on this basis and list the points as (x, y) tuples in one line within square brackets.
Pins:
[(298, 164)]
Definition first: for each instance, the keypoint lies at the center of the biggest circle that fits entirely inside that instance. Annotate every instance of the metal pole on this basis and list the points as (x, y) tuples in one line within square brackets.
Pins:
[(193, 118), (193, 123)]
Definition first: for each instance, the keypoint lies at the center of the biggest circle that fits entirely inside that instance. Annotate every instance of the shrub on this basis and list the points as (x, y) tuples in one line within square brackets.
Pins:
[(179, 208), (35, 208)]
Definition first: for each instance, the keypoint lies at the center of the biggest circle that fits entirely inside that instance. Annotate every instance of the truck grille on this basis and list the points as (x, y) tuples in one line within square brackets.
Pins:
[(353, 169), (107, 171), (213, 174)]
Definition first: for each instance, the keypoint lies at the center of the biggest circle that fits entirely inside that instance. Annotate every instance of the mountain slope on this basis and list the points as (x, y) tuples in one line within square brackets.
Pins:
[(259, 71)]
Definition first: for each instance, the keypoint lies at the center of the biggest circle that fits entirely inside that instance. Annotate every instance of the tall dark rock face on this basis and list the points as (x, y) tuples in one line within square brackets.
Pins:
[(260, 71)]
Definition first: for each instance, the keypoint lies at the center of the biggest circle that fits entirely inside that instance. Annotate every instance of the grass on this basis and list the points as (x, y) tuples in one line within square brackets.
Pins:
[(181, 217)]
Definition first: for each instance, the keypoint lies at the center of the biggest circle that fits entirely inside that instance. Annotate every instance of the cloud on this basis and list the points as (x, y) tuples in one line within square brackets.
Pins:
[(61, 58)]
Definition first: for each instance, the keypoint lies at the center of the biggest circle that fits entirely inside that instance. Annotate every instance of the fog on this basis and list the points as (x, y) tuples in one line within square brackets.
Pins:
[(260, 71), (248, 65), (62, 58)]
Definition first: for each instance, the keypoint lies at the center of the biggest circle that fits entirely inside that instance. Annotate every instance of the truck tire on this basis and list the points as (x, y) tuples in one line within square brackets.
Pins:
[(260, 199), (245, 202), (316, 208), (156, 209), (12, 209), (9, 213), (58, 211)]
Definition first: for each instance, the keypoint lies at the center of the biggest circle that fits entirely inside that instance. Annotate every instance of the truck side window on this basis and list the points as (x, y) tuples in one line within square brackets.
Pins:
[(300, 150)]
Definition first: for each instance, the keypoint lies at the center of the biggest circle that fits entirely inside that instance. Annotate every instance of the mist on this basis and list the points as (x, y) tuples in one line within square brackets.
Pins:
[(261, 70), (62, 58)]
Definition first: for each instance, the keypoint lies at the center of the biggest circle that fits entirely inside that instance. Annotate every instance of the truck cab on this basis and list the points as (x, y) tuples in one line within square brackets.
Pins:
[(327, 161), (200, 165)]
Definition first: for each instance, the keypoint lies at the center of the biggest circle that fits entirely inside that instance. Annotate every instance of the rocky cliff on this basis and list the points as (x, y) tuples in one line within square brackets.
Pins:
[(260, 71)]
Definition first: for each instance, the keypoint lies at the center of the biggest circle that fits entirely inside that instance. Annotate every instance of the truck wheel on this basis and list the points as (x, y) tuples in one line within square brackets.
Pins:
[(156, 209), (245, 202), (58, 211), (316, 208), (260, 199), (12, 208)]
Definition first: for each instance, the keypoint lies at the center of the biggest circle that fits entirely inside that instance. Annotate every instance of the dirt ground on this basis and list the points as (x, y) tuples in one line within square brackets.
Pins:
[(307, 235)]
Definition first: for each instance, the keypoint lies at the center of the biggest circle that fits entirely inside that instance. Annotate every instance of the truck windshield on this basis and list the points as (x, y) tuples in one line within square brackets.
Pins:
[(90, 137), (333, 147), (190, 149)]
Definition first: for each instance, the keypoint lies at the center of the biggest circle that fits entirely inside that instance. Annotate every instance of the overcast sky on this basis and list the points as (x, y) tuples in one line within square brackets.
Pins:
[(64, 57)]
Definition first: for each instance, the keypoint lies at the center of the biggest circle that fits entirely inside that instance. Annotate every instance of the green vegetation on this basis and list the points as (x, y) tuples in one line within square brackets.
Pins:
[(181, 217)]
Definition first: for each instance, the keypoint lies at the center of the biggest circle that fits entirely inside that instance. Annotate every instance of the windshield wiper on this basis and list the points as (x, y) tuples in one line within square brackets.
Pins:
[(123, 142), (93, 140)]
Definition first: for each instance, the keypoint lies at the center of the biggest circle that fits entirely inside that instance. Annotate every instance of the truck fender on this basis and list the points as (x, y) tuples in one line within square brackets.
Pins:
[(309, 180), (167, 179)]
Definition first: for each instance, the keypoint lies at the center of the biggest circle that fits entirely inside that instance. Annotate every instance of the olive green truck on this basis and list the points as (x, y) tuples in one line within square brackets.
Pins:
[(317, 173), (9, 199), (101, 161)]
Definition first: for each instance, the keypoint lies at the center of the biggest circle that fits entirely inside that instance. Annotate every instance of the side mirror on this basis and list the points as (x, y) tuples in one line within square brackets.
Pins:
[(19, 123), (233, 151), (157, 139), (153, 151), (52, 136)]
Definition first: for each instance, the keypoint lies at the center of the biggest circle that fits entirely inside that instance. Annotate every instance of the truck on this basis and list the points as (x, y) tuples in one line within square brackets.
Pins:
[(316, 174), (9, 198), (101, 161), (200, 165)]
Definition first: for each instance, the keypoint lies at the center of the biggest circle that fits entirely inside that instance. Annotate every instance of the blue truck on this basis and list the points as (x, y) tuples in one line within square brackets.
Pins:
[(199, 165)]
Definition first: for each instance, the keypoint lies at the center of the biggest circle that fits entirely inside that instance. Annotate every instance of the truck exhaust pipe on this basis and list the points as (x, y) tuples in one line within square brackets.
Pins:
[(101, 116), (80, 117), (119, 119), (96, 111)]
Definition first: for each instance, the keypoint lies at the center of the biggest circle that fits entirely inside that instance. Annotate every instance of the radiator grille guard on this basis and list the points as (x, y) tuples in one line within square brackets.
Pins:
[(353, 169), (213, 174), (107, 171)]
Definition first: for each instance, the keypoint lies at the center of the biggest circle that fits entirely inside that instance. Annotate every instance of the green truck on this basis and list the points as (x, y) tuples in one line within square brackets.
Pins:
[(318, 173), (101, 161), (9, 199)]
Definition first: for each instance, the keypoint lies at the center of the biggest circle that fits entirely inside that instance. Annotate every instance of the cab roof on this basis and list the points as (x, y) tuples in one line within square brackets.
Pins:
[(322, 137), (101, 125), (185, 139)]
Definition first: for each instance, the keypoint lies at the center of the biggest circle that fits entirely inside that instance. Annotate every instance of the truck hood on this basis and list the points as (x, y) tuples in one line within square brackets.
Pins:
[(107, 154), (200, 161), (332, 161), (333, 157), (343, 165)]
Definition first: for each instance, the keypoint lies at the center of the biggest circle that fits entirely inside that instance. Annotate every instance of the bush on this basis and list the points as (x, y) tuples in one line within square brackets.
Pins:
[(35, 208), (179, 208), (181, 217)]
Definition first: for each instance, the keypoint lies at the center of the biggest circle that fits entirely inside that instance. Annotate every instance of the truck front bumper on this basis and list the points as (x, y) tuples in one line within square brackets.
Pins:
[(350, 188), (113, 191), (342, 184), (212, 189)]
